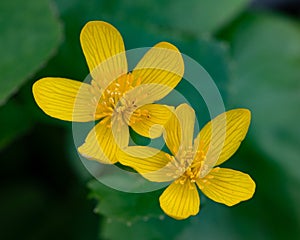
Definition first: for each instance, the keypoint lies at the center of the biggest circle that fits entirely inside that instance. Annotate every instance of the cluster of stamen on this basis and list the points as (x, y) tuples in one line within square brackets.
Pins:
[(188, 165), (112, 101), (138, 115)]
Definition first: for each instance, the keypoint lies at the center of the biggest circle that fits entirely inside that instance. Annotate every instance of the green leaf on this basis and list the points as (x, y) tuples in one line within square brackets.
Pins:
[(191, 16), (125, 207), (223, 223), (30, 32), (134, 215), (213, 56), (267, 81), (146, 229)]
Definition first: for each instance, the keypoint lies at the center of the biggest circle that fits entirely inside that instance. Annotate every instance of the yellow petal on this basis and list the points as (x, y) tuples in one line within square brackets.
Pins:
[(65, 99), (222, 136), (151, 163), (104, 50), (149, 120), (180, 129), (227, 186), (159, 71), (180, 201), (104, 140)]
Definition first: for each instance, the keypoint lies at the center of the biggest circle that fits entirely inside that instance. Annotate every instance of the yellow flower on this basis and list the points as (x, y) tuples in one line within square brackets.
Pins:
[(194, 163), (116, 97)]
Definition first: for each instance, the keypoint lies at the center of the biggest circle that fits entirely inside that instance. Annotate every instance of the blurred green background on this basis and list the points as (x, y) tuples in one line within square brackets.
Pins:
[(250, 48)]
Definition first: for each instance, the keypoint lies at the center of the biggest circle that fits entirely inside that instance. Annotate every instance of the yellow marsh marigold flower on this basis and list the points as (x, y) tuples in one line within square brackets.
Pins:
[(195, 163), (115, 97)]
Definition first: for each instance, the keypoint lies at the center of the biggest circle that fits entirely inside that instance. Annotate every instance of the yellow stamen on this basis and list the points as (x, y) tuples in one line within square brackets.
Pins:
[(188, 164), (111, 100)]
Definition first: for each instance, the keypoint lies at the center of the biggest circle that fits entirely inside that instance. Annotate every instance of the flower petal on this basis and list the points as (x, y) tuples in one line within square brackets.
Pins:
[(159, 71), (104, 140), (149, 120), (151, 163), (180, 129), (180, 201), (227, 186), (64, 99), (221, 137), (104, 50)]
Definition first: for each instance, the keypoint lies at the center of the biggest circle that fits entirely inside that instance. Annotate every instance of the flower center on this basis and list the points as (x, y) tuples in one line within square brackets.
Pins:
[(114, 104), (188, 164), (112, 97)]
